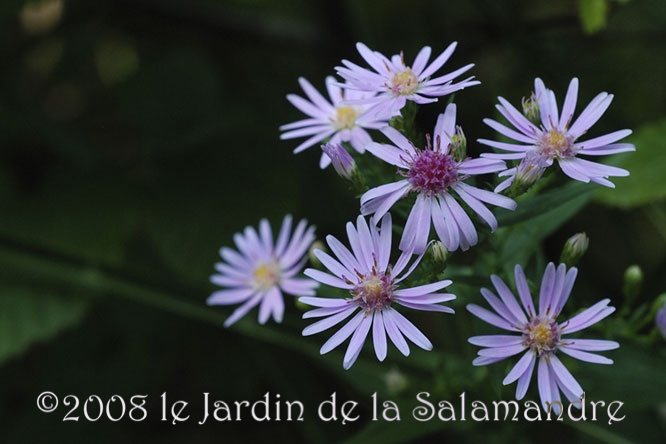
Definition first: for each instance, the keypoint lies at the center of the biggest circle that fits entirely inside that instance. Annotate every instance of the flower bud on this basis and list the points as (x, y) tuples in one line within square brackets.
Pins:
[(528, 172), (459, 144), (314, 260), (531, 109), (396, 381), (574, 249), (633, 280), (438, 252), (342, 161)]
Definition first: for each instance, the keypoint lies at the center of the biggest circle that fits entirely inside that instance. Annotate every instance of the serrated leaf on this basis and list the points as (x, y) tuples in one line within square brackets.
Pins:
[(646, 182), (28, 316), (593, 14)]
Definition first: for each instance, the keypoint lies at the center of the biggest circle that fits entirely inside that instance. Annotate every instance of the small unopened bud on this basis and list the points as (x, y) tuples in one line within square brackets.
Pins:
[(459, 145), (438, 252), (633, 280), (314, 260), (574, 249), (342, 161), (396, 381), (531, 109), (528, 172)]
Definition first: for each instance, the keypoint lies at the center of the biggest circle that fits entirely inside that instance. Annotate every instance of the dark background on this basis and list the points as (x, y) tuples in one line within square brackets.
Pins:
[(137, 136)]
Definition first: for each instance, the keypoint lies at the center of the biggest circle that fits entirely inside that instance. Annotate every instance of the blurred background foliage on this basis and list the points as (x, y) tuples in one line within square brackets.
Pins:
[(137, 136)]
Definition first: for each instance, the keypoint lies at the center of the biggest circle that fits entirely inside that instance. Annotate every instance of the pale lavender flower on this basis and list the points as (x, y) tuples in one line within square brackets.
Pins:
[(556, 137), (660, 320), (539, 335), (373, 287), (337, 119), (261, 270), (343, 163), (394, 82), (434, 174)]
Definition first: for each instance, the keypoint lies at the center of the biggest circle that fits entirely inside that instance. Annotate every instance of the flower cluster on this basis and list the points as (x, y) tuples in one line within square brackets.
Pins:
[(447, 191)]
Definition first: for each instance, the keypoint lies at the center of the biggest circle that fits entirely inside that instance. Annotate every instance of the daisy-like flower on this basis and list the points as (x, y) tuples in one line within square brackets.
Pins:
[(539, 335), (557, 136), (261, 270), (373, 286), (394, 82), (336, 119), (434, 174)]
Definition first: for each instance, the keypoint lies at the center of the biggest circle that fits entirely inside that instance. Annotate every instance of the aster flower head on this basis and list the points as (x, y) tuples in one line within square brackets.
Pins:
[(556, 137), (261, 270), (334, 118), (538, 335), (394, 82), (434, 174), (374, 292)]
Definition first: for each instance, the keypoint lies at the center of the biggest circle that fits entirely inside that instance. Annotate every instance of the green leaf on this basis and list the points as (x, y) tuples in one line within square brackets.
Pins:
[(28, 316), (647, 181), (593, 14)]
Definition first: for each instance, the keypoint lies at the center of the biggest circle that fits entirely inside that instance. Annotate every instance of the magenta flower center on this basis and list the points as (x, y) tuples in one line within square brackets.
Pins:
[(403, 83), (266, 275), (542, 335), (432, 172), (556, 144), (374, 291)]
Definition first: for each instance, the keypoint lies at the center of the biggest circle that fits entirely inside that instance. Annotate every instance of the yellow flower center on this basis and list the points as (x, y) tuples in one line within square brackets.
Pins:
[(404, 83), (542, 335), (266, 275), (555, 144), (345, 117)]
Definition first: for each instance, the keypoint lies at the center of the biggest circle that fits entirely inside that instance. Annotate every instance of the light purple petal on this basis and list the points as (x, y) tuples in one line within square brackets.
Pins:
[(356, 343), (394, 332), (508, 298), (417, 228), (591, 114), (524, 364), (585, 356), (343, 254), (243, 309), (502, 352), (569, 281), (546, 292), (299, 286), (524, 380), (422, 289), (323, 302), (379, 335), (327, 279), (588, 317), (326, 323), (341, 335), (495, 340), (592, 344), (228, 297), (490, 317), (565, 378), (410, 331)]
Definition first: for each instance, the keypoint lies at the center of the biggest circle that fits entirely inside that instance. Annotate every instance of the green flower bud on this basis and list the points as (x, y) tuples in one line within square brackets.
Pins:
[(531, 109), (574, 249), (633, 281)]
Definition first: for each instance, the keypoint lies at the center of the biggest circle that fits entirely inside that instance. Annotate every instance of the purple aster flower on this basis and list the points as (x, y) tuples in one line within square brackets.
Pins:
[(261, 270), (539, 335), (336, 119), (373, 287), (394, 82), (556, 137), (434, 174)]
